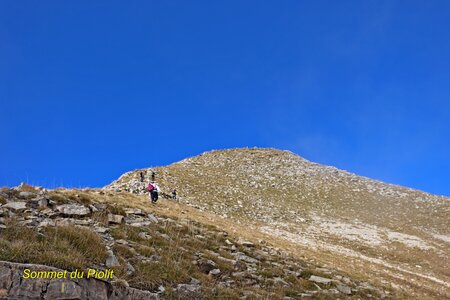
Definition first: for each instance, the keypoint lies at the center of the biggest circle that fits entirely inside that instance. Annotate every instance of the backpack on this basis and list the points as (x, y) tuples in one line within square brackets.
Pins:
[(150, 187)]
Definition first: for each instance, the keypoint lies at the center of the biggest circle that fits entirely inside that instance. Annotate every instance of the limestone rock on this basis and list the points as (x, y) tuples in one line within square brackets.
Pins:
[(115, 219), (111, 260), (246, 243), (214, 272), (241, 256), (318, 279), (206, 265), (344, 289), (16, 205), (27, 195), (73, 210), (134, 211), (188, 291)]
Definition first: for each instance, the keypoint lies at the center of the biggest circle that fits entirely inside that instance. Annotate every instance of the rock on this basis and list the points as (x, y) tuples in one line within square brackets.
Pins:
[(133, 294), (93, 208), (130, 269), (47, 211), (366, 286), (144, 235), (115, 219), (240, 275), (111, 260), (83, 222), (152, 218), (101, 230), (228, 242), (200, 237), (318, 279), (63, 289), (63, 222), (29, 223), (165, 236), (227, 260), (139, 224), (246, 243), (13, 286), (241, 256), (73, 210), (155, 257), (214, 272), (188, 291), (206, 265), (27, 195), (344, 289), (47, 222), (280, 281), (16, 205), (134, 211), (100, 206), (2, 220)]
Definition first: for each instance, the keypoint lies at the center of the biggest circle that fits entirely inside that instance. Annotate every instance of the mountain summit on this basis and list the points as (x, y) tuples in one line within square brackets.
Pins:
[(370, 228)]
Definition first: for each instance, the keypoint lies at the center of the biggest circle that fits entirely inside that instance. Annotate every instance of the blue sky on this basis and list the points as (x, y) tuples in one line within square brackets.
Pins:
[(92, 89)]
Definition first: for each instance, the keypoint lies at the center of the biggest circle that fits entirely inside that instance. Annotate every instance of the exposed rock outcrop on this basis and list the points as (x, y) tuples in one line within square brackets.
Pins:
[(14, 286)]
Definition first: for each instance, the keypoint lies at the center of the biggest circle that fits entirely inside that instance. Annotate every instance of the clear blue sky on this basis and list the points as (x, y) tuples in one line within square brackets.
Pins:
[(91, 89)]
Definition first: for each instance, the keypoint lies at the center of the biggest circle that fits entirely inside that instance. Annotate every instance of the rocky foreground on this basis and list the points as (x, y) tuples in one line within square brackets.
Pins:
[(153, 256)]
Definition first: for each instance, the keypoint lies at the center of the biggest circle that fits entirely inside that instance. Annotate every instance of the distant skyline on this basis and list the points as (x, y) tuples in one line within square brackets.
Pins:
[(90, 90)]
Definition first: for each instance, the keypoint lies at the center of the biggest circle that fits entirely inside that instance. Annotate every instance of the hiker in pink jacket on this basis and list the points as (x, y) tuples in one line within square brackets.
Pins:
[(153, 189)]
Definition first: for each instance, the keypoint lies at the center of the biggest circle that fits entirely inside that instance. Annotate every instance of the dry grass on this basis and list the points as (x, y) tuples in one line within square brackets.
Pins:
[(65, 247)]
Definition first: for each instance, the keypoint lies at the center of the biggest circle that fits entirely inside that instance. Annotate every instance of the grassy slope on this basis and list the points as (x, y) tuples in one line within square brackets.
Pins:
[(266, 187), (188, 232)]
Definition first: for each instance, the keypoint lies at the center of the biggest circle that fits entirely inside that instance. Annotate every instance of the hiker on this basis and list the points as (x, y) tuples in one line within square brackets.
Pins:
[(174, 194), (142, 174), (153, 175), (153, 189)]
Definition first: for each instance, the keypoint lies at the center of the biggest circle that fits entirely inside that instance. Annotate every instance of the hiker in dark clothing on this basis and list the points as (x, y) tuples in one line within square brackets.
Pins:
[(153, 188), (142, 176), (153, 175), (174, 194)]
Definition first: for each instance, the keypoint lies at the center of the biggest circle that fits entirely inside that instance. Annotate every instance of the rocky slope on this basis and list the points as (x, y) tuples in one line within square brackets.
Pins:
[(396, 236), (164, 251)]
